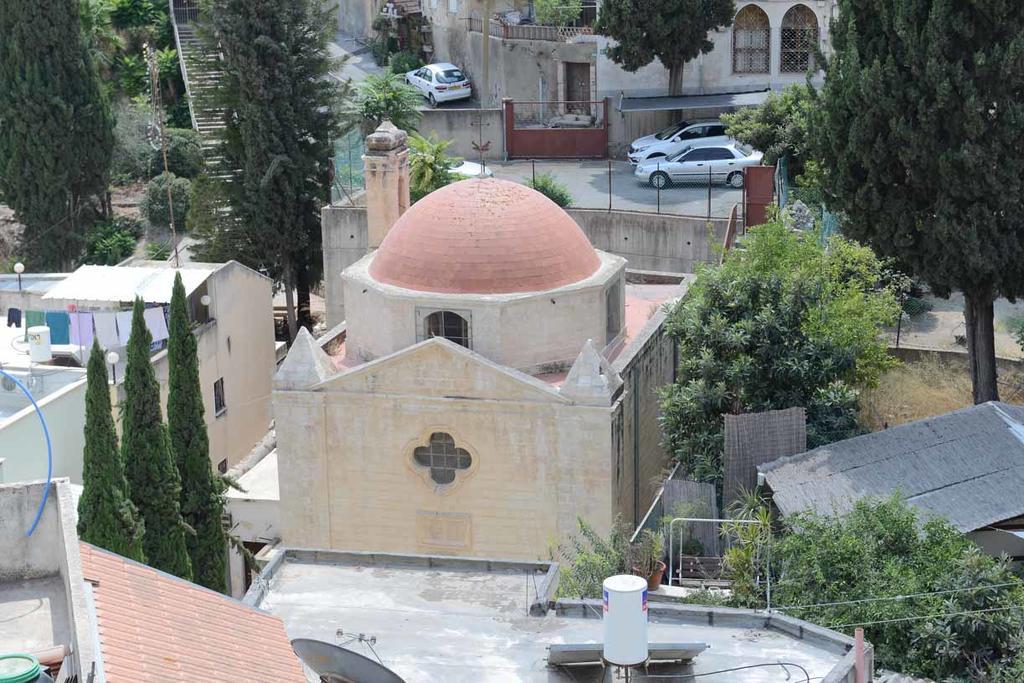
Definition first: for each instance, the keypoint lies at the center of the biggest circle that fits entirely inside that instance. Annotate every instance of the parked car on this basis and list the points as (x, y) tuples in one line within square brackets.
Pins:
[(674, 138), (693, 163), (470, 169), (440, 83)]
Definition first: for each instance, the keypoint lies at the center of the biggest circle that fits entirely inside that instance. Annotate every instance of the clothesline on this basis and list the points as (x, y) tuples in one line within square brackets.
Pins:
[(79, 328)]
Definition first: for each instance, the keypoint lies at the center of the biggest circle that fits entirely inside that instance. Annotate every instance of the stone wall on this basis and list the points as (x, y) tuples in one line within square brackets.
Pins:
[(345, 241), (650, 241), (639, 460), (462, 127)]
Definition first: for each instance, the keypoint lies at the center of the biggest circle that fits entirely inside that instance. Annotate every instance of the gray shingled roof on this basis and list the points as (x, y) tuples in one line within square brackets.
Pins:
[(966, 466)]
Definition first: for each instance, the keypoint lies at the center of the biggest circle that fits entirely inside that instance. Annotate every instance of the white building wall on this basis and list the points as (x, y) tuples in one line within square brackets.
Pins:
[(528, 332), (23, 447)]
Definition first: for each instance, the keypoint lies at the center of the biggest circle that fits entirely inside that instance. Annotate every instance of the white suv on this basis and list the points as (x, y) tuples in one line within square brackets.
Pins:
[(674, 138)]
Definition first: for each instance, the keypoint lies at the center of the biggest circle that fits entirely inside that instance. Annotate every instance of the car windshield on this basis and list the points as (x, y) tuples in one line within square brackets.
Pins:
[(450, 76), (666, 133), (680, 153), (747, 150)]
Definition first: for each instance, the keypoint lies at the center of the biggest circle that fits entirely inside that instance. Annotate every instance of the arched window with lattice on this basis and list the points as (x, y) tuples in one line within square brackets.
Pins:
[(799, 38), (751, 41)]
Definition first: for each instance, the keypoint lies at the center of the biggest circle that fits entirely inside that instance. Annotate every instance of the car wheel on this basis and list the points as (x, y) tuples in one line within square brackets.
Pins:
[(659, 179), (735, 179), (430, 98)]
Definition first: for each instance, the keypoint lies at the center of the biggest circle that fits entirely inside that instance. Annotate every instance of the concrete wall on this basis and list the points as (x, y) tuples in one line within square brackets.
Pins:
[(650, 241), (527, 70), (356, 16), (462, 127), (345, 241), (23, 448), (539, 332), (348, 480), (639, 460)]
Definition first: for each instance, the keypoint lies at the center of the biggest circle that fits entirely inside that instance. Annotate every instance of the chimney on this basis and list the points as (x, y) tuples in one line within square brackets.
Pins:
[(387, 180)]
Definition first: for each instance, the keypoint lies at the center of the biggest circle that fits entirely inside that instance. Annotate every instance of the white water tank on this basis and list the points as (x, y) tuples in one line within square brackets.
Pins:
[(625, 620), (39, 344)]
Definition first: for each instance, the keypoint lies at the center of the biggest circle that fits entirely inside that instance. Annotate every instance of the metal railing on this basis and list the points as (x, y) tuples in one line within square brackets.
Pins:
[(557, 34), (184, 12), (671, 537)]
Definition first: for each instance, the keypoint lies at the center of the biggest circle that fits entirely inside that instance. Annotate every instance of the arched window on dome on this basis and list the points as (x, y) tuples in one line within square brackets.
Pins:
[(751, 41), (450, 325), (799, 38)]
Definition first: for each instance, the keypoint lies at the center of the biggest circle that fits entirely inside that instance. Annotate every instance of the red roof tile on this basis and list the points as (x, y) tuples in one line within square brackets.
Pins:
[(156, 627)]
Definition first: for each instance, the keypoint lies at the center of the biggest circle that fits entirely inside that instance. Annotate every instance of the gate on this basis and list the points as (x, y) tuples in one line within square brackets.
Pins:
[(759, 193), (556, 130)]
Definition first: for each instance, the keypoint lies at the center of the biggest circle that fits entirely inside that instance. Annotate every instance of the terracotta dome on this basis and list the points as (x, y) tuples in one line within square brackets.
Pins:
[(484, 236)]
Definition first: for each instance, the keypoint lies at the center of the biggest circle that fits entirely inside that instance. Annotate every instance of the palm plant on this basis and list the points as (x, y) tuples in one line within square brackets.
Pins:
[(385, 96), (430, 167), (101, 39)]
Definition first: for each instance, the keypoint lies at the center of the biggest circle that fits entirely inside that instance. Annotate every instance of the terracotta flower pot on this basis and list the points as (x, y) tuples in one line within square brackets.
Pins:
[(654, 579)]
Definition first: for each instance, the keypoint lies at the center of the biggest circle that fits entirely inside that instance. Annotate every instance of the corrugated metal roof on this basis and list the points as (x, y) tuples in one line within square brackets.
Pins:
[(685, 102), (105, 284), (966, 466), (155, 627)]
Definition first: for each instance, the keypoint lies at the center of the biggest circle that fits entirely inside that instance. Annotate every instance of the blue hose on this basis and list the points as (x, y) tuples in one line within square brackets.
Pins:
[(49, 450)]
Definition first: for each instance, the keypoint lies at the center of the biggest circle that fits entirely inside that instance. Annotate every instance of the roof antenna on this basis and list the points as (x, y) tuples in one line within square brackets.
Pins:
[(158, 114)]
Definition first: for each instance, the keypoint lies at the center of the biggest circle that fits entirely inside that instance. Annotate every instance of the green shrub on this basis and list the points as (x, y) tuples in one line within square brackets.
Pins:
[(132, 75), (404, 62), (550, 187), (107, 244), (132, 159), (158, 251), (154, 205), (129, 14), (184, 153)]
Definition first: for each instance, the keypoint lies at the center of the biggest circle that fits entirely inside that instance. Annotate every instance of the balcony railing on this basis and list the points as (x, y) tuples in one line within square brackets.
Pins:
[(556, 34)]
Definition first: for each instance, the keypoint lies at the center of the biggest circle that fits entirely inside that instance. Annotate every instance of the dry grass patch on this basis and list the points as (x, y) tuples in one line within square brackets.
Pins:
[(926, 387)]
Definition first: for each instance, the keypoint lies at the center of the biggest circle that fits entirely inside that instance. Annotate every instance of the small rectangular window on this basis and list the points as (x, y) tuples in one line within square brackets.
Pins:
[(219, 405), (453, 6)]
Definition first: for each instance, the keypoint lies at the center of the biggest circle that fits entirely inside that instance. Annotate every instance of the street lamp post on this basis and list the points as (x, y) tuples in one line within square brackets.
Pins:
[(112, 359), (19, 268)]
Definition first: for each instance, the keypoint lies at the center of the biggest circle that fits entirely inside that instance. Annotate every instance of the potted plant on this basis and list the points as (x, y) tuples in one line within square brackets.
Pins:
[(645, 558)]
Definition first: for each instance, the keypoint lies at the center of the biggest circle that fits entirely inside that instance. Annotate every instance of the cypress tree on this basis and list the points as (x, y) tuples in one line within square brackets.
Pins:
[(56, 130), (146, 451), (202, 499), (106, 515), (283, 110), (919, 131)]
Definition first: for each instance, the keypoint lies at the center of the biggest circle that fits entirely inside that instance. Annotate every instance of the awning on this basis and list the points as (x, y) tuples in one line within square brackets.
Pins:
[(714, 101), (116, 284)]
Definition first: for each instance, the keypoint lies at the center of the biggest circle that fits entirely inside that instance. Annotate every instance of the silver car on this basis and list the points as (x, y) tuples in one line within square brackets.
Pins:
[(720, 163), (674, 138)]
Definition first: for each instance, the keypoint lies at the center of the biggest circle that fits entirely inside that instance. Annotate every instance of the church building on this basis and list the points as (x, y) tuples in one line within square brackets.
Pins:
[(495, 380)]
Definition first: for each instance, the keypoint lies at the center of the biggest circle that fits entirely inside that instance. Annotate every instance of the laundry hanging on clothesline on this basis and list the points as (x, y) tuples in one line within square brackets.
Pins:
[(111, 328)]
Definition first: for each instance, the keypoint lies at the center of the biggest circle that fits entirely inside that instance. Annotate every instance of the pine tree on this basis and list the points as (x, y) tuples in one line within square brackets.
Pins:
[(671, 31), (284, 109), (56, 130), (106, 515), (146, 449), (921, 123), (202, 499)]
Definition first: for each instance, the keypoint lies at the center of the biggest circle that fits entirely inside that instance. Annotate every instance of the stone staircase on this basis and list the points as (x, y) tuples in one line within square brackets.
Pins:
[(201, 72)]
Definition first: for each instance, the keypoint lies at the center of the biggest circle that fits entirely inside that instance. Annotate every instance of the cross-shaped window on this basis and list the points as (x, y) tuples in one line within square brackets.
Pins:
[(442, 457)]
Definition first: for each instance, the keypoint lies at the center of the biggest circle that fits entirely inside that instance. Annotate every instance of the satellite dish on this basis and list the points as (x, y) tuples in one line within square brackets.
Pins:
[(337, 665)]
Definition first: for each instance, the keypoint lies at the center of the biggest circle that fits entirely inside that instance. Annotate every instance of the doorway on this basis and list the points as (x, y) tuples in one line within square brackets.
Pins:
[(577, 87)]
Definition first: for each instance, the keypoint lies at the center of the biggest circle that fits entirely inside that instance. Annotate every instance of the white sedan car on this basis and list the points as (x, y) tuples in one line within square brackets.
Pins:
[(440, 83), (671, 140), (721, 162), (471, 169)]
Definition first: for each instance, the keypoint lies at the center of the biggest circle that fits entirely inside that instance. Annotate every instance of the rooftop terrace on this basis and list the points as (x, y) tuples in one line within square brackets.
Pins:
[(445, 619)]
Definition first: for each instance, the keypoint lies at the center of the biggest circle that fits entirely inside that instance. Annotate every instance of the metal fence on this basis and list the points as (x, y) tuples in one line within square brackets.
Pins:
[(559, 34), (349, 177), (613, 185)]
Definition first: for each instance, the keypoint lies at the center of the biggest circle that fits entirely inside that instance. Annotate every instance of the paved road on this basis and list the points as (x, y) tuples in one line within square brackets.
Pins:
[(588, 183), (360, 58)]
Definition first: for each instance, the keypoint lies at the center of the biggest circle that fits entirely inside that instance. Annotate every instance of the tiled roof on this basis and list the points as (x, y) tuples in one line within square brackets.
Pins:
[(156, 627)]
